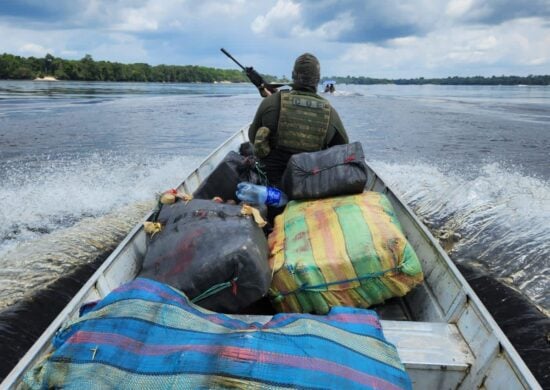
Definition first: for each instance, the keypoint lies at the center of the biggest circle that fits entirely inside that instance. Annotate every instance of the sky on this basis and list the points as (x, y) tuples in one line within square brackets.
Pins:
[(372, 38)]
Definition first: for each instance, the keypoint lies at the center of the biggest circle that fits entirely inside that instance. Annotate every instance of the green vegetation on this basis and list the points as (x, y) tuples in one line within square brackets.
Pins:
[(86, 69), (475, 80), (15, 67)]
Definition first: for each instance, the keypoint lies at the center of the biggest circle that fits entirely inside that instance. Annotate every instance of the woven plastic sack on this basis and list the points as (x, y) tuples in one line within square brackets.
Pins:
[(210, 251), (146, 335), (339, 170), (342, 251)]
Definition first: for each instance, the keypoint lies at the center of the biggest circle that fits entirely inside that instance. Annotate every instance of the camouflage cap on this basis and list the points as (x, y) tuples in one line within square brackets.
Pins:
[(306, 72)]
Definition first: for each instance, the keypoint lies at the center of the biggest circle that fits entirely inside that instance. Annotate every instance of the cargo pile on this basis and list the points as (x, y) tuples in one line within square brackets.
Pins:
[(335, 250), (333, 245)]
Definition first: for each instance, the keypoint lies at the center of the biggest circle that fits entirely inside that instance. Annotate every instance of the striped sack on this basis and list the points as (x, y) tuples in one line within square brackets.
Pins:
[(341, 251), (148, 335)]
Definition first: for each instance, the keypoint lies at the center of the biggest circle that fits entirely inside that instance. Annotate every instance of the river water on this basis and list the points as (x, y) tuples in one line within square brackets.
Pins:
[(80, 163)]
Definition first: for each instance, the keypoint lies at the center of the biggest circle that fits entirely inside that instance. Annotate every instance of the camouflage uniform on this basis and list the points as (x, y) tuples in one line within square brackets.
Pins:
[(299, 120)]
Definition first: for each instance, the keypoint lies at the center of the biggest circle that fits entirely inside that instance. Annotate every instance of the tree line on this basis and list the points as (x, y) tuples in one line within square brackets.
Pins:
[(87, 69), (456, 80)]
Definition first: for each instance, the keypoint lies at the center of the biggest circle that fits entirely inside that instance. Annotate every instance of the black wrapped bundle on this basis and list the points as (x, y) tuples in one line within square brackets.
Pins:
[(223, 180), (209, 249), (339, 170)]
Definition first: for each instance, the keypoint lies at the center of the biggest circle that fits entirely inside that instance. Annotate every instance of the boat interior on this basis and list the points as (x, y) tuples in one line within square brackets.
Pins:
[(445, 337)]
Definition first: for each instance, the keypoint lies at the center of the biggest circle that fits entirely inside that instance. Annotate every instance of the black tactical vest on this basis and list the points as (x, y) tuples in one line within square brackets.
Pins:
[(303, 122)]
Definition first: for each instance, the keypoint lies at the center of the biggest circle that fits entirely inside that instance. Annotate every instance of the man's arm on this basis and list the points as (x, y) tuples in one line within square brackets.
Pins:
[(266, 115), (337, 131), (254, 126)]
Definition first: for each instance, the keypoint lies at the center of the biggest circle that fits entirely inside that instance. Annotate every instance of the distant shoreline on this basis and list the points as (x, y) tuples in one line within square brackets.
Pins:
[(53, 79), (52, 68), (543, 80)]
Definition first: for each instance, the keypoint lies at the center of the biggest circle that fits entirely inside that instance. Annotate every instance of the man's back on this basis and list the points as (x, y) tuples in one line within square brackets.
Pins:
[(268, 115), (295, 121)]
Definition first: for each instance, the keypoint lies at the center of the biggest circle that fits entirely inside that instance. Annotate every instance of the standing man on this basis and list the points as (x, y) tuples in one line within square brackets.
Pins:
[(295, 121)]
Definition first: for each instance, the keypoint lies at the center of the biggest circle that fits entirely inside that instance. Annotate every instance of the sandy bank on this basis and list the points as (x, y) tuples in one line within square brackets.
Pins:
[(45, 78)]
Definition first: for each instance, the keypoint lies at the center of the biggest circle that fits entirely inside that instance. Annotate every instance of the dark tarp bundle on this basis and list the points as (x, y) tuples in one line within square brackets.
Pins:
[(223, 180), (210, 251), (145, 335), (246, 149), (338, 170)]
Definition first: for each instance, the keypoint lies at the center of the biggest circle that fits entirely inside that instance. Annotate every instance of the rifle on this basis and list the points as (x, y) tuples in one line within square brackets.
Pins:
[(255, 77)]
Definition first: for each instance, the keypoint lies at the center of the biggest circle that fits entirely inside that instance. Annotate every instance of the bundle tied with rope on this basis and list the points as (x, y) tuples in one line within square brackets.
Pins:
[(232, 170), (340, 251), (338, 170), (216, 253), (167, 197)]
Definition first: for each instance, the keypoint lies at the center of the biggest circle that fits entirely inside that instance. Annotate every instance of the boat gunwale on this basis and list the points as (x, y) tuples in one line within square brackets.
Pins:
[(516, 361)]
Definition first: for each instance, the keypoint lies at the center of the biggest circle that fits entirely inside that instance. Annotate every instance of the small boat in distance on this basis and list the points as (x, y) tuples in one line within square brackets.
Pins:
[(444, 335), (328, 86)]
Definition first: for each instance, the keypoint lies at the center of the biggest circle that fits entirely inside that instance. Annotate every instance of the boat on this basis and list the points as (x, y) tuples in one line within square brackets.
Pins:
[(328, 86), (444, 335)]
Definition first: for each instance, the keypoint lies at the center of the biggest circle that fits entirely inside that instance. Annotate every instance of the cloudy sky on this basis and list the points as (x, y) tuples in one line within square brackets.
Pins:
[(375, 38)]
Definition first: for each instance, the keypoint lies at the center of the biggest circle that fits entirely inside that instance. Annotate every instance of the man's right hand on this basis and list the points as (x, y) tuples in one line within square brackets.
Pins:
[(265, 92)]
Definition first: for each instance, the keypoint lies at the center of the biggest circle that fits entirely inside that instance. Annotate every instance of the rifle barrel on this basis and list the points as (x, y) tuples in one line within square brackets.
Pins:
[(230, 56)]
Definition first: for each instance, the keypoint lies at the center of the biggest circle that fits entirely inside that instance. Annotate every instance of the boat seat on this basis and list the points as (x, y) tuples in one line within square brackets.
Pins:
[(433, 353)]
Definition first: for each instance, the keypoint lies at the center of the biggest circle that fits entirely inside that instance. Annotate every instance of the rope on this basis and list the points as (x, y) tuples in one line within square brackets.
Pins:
[(249, 210), (168, 197), (258, 166), (216, 289), (315, 171), (171, 196), (306, 287), (156, 211), (152, 228)]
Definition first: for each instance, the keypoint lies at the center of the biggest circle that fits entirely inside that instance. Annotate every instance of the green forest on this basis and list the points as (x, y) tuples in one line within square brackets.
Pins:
[(87, 69), (456, 80)]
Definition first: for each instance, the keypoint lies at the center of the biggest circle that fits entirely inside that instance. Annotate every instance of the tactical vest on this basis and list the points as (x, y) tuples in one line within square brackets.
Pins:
[(303, 122)]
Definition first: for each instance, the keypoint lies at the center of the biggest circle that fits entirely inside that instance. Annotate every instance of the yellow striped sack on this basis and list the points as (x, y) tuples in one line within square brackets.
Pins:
[(341, 251)]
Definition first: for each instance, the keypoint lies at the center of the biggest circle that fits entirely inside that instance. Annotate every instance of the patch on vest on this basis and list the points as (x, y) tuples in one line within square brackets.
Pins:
[(297, 101)]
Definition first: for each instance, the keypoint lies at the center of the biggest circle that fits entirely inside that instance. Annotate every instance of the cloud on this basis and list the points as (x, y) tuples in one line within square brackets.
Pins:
[(350, 21), (374, 21), (30, 10), (178, 30), (519, 46), (491, 12), (30, 43), (34, 49), (278, 19), (42, 14), (127, 47), (391, 38), (118, 15)]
